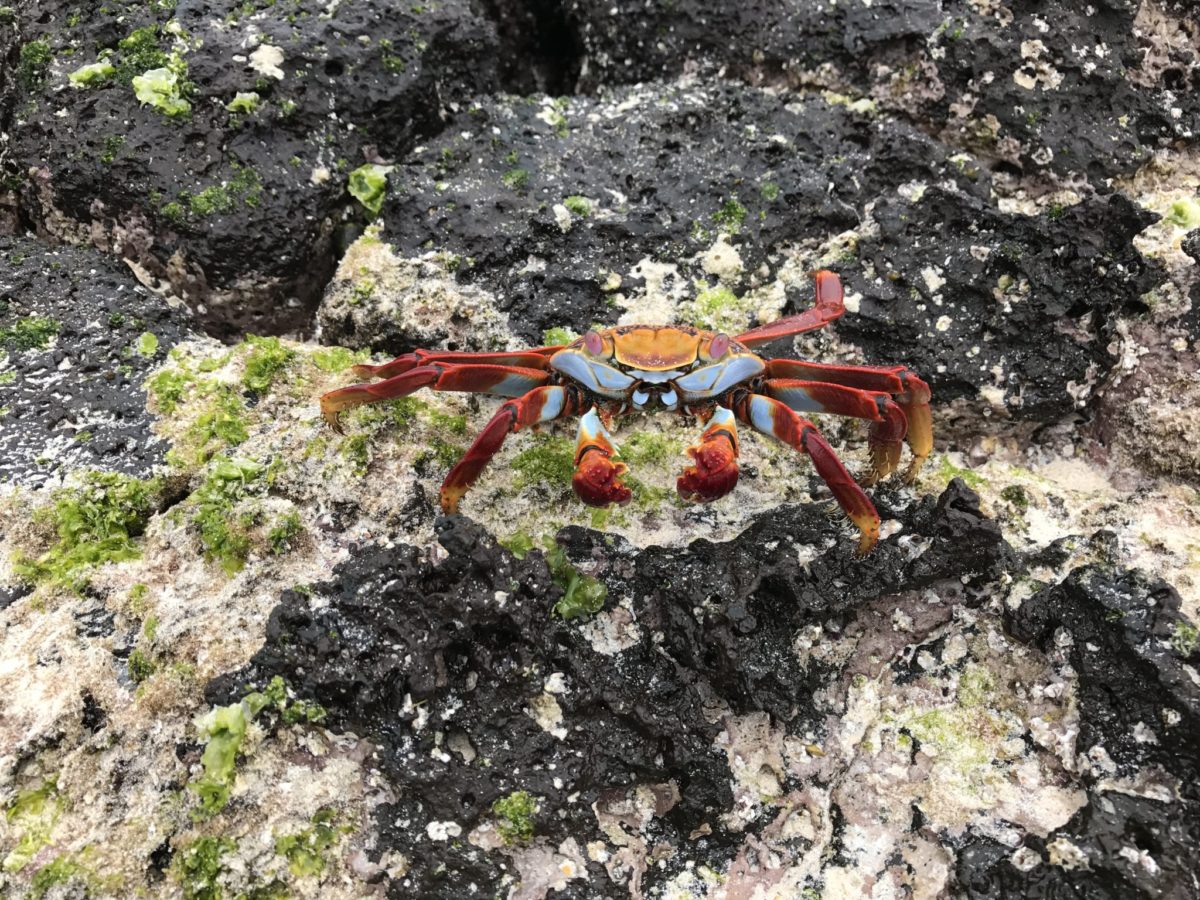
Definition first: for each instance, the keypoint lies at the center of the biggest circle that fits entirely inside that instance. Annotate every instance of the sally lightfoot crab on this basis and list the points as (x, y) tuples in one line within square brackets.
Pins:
[(648, 368)]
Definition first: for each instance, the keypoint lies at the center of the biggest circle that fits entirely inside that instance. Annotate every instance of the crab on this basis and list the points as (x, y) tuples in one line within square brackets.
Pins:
[(709, 376)]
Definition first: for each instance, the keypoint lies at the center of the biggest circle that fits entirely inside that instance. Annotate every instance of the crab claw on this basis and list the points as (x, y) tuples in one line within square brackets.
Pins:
[(597, 479), (715, 472)]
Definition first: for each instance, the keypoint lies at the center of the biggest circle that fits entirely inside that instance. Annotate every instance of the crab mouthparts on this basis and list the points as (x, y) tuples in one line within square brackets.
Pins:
[(668, 398)]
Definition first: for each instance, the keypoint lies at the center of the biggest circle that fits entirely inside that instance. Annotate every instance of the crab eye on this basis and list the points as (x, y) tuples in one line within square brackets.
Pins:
[(593, 343), (718, 346)]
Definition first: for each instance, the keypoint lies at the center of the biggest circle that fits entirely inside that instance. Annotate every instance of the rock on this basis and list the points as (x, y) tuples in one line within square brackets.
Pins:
[(80, 336), (379, 300), (1123, 635), (938, 277), (998, 81), (229, 203), (424, 657)]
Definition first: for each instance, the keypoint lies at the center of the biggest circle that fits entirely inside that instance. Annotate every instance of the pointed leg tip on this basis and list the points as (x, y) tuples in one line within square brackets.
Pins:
[(866, 543)]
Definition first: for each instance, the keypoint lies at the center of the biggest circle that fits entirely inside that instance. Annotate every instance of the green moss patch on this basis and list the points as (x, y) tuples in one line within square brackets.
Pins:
[(515, 817), (32, 815), (96, 522), (28, 333)]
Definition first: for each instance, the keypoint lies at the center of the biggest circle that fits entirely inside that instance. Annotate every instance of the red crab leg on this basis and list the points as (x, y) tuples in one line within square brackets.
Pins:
[(542, 404), (828, 306), (715, 472), (772, 417), (506, 381), (888, 422), (597, 479), (910, 393), (529, 359)]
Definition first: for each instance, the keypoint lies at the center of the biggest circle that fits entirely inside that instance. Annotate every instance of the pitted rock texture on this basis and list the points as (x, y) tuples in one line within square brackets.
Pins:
[(536, 205), (458, 663), (1138, 709), (1005, 80), (233, 210), (79, 337)]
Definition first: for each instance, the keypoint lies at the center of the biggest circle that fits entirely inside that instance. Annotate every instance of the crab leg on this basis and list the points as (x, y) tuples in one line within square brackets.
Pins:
[(506, 381), (529, 359), (888, 422), (910, 393), (597, 479), (715, 472), (772, 417), (829, 305), (542, 404)]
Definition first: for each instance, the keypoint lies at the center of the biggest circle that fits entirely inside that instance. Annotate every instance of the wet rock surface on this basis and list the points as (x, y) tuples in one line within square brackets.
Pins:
[(457, 662), (232, 200), (247, 658), (79, 337)]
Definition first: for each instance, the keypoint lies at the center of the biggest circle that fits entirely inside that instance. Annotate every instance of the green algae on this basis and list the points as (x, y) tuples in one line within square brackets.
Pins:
[(32, 815), (368, 185), (515, 815), (28, 333), (580, 206), (96, 522), (198, 867), (284, 535), (550, 461), (307, 851), (267, 360), (225, 536)]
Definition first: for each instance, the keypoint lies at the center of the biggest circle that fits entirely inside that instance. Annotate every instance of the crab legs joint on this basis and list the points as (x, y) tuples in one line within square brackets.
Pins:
[(597, 479), (714, 377), (715, 472), (772, 417), (543, 404)]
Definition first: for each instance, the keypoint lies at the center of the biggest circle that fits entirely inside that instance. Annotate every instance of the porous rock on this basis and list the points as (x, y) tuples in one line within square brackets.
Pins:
[(80, 336)]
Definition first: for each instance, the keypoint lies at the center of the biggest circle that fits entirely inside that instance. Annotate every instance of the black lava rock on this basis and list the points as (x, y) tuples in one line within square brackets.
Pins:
[(1087, 90), (428, 657), (1139, 710), (233, 208), (81, 335)]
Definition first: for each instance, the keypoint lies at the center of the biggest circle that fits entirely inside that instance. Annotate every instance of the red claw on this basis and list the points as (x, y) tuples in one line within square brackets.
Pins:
[(597, 478), (715, 472)]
